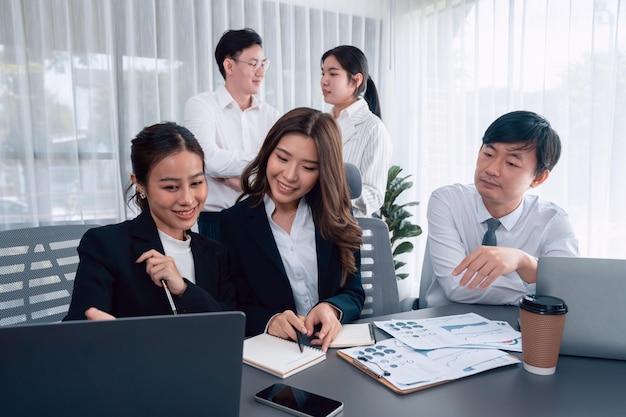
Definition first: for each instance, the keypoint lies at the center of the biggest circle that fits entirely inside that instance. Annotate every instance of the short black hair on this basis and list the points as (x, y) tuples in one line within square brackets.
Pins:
[(232, 43), (530, 129)]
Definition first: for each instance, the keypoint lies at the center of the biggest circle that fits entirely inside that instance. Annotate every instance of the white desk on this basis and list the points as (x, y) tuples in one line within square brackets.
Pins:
[(580, 387)]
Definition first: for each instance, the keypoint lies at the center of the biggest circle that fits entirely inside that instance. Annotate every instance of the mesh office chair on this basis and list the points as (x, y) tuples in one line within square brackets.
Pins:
[(378, 273), (37, 269)]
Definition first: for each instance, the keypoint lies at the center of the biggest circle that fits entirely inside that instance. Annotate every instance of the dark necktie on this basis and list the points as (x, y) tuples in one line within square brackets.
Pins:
[(490, 235)]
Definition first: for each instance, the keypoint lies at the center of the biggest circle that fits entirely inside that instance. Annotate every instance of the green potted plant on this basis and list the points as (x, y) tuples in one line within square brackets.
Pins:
[(396, 216)]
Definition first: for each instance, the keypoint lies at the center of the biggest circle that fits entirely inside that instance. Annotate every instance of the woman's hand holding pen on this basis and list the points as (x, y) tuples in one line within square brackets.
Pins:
[(286, 324), (161, 267), (163, 272), (326, 315)]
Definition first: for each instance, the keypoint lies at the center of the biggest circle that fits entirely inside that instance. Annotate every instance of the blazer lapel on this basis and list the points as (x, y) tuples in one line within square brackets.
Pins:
[(324, 252), (199, 250), (145, 235), (260, 231)]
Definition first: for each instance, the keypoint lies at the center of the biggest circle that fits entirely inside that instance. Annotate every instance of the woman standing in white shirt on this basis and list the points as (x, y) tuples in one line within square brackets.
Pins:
[(347, 85)]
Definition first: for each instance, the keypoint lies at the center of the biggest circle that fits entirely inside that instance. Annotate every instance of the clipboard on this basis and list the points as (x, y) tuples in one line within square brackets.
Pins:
[(381, 378)]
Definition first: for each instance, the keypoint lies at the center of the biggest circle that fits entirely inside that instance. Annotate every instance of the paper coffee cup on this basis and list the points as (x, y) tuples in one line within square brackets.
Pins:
[(542, 319)]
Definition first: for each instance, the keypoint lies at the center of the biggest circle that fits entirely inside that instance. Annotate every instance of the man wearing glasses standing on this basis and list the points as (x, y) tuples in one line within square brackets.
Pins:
[(230, 123)]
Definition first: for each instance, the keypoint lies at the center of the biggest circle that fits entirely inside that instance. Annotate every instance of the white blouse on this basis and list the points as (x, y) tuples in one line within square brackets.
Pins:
[(299, 255)]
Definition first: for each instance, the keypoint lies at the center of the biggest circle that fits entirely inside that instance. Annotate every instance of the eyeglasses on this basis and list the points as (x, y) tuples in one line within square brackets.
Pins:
[(255, 63)]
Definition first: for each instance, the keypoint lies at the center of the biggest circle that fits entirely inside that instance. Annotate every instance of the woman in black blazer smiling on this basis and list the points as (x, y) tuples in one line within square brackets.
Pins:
[(124, 267), (293, 243)]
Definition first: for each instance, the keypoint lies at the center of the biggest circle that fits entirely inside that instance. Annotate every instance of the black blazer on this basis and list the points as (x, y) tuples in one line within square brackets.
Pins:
[(261, 283), (109, 279)]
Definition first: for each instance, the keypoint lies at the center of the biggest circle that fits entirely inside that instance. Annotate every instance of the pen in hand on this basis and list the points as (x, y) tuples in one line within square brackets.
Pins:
[(169, 297), (300, 338)]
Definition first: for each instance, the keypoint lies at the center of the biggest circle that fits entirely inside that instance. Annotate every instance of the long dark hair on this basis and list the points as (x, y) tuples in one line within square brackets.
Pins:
[(330, 198), (152, 145), (353, 60)]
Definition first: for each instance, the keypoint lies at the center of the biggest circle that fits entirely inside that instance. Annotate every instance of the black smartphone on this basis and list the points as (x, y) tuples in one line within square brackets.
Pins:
[(298, 402)]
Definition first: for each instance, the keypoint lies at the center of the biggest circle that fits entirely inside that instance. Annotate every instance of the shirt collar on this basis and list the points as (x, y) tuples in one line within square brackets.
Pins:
[(226, 100), (269, 205), (302, 215), (507, 221), (354, 112)]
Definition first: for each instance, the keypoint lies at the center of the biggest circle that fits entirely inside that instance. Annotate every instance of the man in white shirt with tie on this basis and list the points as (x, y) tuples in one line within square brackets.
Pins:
[(230, 123), (519, 149)]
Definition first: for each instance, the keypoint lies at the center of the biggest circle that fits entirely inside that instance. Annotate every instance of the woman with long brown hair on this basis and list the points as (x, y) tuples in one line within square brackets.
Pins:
[(293, 243)]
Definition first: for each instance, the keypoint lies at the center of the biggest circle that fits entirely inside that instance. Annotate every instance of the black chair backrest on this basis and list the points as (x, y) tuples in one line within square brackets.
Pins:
[(353, 177), (37, 269), (427, 277)]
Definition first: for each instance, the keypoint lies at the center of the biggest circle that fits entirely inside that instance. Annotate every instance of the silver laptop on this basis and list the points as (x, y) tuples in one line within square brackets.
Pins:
[(185, 365), (594, 291)]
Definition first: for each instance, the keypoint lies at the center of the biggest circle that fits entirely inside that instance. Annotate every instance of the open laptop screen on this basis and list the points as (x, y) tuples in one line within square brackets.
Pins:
[(160, 365), (593, 290)]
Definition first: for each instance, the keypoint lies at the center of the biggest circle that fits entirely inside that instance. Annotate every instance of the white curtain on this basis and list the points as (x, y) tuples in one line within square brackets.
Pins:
[(80, 78), (458, 65)]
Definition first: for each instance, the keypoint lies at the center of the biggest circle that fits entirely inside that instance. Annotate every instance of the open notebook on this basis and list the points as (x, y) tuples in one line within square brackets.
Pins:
[(278, 356), (354, 334)]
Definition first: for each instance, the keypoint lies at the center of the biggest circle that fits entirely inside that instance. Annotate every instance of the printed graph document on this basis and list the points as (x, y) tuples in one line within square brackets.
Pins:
[(354, 334), (404, 369), (466, 330), (278, 356)]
